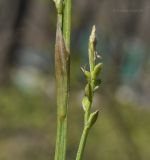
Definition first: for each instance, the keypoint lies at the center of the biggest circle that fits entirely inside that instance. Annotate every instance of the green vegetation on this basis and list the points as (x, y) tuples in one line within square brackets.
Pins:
[(92, 85), (62, 72), (62, 69), (28, 121), (25, 131)]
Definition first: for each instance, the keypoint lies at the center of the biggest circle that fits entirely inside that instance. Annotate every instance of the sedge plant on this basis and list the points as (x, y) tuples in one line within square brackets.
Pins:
[(92, 85), (62, 73)]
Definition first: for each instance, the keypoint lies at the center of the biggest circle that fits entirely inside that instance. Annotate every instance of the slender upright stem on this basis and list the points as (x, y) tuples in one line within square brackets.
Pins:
[(62, 67), (67, 22), (82, 143), (91, 86)]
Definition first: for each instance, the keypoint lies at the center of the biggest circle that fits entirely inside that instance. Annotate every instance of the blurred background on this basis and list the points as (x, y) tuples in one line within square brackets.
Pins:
[(27, 83)]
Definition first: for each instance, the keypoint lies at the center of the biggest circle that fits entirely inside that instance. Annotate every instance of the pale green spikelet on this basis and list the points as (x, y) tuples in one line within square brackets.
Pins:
[(93, 83)]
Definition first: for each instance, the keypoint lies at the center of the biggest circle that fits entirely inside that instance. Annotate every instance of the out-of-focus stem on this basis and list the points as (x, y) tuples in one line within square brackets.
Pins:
[(62, 67)]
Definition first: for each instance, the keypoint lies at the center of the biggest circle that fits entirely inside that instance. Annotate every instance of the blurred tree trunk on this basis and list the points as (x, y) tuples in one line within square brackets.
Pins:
[(7, 18), (37, 27), (144, 25), (11, 14)]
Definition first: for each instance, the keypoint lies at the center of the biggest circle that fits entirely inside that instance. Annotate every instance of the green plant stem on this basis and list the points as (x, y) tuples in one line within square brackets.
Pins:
[(62, 67), (91, 76), (82, 143), (67, 22)]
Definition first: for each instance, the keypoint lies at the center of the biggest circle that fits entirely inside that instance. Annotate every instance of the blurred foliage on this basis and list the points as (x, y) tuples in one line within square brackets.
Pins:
[(26, 58), (27, 128)]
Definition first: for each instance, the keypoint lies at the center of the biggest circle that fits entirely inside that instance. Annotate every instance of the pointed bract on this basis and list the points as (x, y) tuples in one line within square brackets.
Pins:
[(86, 103), (93, 118)]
